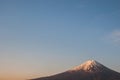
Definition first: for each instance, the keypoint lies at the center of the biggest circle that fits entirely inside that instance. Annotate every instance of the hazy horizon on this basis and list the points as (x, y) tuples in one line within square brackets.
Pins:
[(44, 37)]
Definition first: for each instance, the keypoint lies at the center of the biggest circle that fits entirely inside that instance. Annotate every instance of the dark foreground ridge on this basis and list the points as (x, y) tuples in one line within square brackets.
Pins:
[(90, 70)]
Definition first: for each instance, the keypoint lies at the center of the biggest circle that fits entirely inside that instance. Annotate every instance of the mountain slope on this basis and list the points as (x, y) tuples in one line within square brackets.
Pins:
[(90, 70)]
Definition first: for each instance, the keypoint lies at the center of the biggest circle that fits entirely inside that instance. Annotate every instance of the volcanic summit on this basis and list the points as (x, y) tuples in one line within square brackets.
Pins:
[(89, 70), (89, 66)]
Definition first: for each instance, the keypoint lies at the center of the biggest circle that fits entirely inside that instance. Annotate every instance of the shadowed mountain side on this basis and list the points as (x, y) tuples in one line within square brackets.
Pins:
[(90, 70)]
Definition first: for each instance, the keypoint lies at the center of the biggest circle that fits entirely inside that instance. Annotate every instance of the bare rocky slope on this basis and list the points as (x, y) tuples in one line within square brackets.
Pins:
[(90, 70)]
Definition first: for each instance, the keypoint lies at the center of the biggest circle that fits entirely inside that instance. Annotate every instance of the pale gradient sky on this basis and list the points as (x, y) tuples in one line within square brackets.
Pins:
[(44, 37)]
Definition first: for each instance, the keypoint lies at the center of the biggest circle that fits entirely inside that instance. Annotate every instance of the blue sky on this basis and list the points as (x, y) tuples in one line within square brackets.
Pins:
[(43, 37)]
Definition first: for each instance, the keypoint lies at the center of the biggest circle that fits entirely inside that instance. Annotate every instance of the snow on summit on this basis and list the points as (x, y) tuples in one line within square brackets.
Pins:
[(89, 66)]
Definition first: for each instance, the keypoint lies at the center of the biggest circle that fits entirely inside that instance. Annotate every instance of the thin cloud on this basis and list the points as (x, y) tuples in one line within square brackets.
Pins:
[(114, 37)]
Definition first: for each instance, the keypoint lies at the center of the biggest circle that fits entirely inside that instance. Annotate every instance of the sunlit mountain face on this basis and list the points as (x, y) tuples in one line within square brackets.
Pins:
[(90, 70)]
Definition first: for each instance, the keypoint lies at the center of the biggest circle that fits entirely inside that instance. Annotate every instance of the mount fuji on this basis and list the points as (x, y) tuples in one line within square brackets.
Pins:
[(90, 70)]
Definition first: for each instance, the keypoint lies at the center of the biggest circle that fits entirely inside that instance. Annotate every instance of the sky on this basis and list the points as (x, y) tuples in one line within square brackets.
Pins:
[(44, 37)]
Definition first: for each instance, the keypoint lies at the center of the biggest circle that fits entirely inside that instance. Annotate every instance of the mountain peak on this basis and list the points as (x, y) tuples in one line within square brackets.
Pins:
[(89, 66), (89, 70)]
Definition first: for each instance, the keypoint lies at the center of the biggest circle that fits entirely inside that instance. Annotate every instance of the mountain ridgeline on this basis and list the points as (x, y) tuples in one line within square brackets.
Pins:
[(90, 70)]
